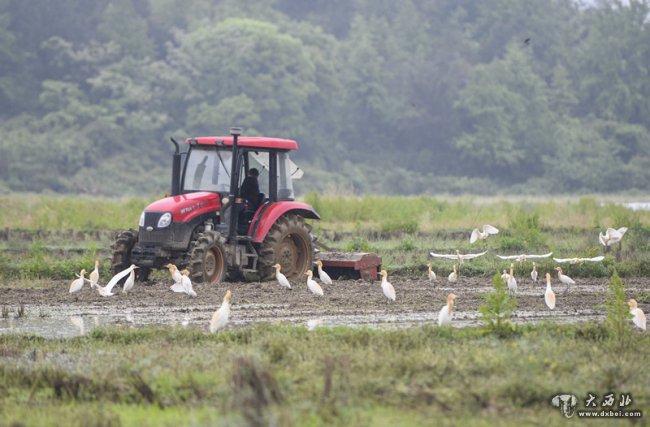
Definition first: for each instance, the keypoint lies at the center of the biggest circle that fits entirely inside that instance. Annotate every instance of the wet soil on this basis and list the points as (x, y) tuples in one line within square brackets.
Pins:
[(346, 302)]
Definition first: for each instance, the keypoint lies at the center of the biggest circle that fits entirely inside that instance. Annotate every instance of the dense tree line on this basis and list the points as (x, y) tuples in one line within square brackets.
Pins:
[(405, 97)]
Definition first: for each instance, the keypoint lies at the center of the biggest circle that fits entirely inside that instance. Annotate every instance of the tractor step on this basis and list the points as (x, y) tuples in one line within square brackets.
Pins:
[(364, 265)]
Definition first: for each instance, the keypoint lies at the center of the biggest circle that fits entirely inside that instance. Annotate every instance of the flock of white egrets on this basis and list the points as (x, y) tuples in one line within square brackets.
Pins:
[(183, 284)]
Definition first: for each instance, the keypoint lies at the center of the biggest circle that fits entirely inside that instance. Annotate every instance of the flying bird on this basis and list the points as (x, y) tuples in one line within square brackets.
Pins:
[(389, 290), (282, 279), (577, 260), (453, 276), (611, 236), (478, 234), (77, 284), (432, 274), (106, 291), (220, 317), (549, 295), (639, 317), (458, 257), (312, 285), (524, 257), (322, 275), (187, 283), (446, 312)]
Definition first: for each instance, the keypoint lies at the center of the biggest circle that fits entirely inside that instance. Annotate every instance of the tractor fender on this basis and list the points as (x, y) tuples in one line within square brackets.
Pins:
[(268, 213)]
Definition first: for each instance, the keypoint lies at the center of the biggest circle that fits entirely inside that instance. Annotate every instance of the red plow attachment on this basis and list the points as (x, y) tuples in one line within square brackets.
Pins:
[(354, 265)]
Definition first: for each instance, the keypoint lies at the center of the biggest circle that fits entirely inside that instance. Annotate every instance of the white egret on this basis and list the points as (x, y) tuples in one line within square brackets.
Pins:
[(322, 275), (94, 275), (187, 283), (458, 257), (220, 317), (512, 282), (453, 276), (77, 284), (524, 257), (611, 236), (176, 276), (549, 295), (478, 234), (533, 274), (282, 279), (129, 283), (577, 260), (564, 278), (639, 316), (388, 289), (106, 291), (312, 285), (446, 312), (432, 274), (314, 323)]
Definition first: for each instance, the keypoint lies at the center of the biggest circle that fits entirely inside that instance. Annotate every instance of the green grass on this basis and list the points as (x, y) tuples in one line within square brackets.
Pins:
[(340, 376)]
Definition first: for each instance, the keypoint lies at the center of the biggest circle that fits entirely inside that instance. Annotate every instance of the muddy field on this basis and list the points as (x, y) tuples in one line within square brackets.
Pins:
[(51, 311)]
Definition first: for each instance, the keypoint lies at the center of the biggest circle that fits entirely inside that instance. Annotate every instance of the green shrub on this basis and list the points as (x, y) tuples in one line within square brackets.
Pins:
[(496, 310), (618, 313)]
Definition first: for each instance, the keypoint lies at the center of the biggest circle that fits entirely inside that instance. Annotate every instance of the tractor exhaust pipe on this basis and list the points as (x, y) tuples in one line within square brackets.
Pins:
[(176, 169), (235, 200)]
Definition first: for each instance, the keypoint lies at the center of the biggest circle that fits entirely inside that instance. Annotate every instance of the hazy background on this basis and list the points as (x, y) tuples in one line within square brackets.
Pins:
[(408, 97)]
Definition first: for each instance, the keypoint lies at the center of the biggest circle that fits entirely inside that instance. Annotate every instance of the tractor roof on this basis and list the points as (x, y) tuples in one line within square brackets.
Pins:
[(246, 141)]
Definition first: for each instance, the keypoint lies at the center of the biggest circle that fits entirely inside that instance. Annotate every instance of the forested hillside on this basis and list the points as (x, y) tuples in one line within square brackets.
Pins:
[(383, 96)]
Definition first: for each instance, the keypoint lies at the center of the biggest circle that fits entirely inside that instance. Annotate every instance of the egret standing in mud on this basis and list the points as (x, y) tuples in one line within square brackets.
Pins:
[(129, 283), (282, 279), (512, 282), (176, 276), (312, 285), (389, 290), (432, 274), (187, 283), (94, 275), (446, 312), (533, 274), (77, 284), (322, 275), (220, 317), (564, 278), (453, 276), (639, 316), (549, 295)]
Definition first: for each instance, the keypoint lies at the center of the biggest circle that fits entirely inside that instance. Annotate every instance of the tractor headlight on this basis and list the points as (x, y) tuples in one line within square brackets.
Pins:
[(165, 220), (141, 222)]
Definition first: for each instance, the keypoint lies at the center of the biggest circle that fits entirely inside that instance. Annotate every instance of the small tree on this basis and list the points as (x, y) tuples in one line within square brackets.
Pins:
[(618, 313), (497, 309)]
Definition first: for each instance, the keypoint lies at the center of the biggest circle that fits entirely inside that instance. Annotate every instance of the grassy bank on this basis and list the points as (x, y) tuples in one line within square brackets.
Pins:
[(327, 377)]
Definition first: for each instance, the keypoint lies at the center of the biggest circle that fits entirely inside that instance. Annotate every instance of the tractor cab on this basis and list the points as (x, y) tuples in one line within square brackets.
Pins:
[(208, 164)]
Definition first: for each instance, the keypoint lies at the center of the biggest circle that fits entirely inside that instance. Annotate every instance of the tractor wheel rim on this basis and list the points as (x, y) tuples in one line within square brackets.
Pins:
[(213, 265), (287, 255)]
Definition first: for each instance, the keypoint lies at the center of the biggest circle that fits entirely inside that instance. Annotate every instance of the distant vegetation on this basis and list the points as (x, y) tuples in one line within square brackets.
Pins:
[(410, 97)]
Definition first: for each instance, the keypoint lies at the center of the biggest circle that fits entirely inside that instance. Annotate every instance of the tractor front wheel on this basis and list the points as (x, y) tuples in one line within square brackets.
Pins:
[(208, 258), (288, 243), (122, 246)]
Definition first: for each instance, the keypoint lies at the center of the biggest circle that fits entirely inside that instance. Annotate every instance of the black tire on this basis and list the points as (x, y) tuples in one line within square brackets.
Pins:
[(208, 258), (288, 243), (122, 246)]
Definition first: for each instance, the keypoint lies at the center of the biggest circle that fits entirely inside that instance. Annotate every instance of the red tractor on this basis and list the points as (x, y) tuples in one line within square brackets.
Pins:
[(207, 227)]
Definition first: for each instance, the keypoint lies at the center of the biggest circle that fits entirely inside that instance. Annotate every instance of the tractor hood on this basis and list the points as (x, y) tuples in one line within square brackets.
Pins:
[(184, 207)]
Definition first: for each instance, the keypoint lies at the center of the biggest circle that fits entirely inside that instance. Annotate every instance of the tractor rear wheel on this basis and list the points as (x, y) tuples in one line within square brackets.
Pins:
[(208, 258), (288, 243), (122, 246)]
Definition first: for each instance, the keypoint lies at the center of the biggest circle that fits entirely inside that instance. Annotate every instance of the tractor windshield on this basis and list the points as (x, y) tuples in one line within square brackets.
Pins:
[(208, 169)]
